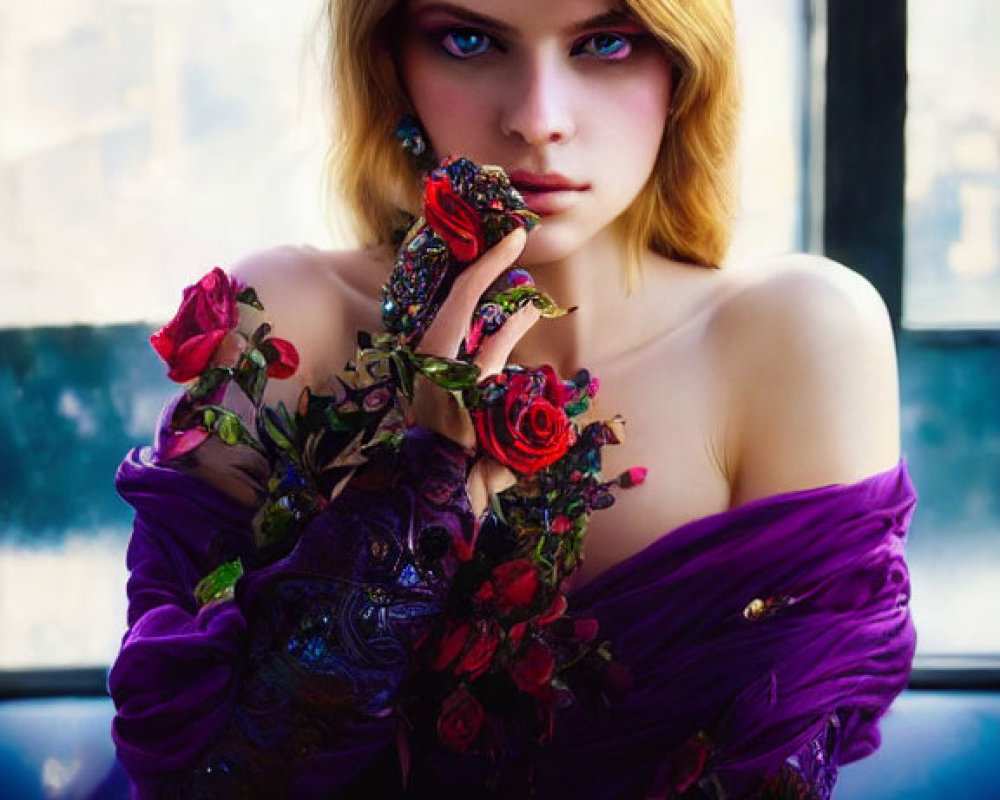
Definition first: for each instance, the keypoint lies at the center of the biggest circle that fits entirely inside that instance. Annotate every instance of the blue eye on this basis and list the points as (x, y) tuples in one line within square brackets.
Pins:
[(466, 42), (609, 46)]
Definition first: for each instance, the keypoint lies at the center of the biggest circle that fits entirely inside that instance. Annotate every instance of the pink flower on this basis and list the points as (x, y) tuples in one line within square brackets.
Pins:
[(635, 476)]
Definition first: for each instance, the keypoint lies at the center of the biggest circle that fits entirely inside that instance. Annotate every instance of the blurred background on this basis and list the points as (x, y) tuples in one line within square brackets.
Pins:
[(144, 141)]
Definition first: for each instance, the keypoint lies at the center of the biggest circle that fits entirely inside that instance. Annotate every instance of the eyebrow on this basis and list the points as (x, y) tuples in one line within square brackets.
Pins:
[(613, 17)]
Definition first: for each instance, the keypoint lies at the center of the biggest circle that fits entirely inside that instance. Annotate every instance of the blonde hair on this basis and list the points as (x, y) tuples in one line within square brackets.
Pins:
[(684, 212)]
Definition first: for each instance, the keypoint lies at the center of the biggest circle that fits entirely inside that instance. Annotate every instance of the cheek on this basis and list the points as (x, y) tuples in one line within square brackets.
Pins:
[(641, 117), (449, 110)]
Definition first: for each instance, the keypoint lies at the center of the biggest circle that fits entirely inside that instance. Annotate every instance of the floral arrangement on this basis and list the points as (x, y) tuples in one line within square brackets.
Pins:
[(505, 654)]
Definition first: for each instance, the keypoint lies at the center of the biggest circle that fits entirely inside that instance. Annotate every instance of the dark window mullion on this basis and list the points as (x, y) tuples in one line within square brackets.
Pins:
[(865, 143)]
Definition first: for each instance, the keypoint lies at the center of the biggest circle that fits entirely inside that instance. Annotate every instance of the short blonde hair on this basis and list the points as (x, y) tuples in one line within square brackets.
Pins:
[(685, 210)]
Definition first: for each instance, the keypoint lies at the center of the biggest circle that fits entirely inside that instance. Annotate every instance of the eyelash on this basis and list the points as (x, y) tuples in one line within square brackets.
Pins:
[(440, 38)]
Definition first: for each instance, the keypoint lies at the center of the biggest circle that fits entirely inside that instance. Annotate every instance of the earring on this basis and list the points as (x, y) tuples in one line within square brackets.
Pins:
[(413, 139)]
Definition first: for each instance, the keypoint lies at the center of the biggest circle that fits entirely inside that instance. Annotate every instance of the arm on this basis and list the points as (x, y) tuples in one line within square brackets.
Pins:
[(238, 682), (184, 671), (815, 399)]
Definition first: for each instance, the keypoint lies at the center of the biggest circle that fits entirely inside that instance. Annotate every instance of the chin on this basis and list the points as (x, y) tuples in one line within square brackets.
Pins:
[(551, 243)]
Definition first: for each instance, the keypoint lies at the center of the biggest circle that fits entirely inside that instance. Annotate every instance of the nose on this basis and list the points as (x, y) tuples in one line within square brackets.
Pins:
[(539, 104)]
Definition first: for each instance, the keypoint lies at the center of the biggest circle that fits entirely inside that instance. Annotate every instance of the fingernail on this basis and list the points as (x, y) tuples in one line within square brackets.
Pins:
[(519, 277)]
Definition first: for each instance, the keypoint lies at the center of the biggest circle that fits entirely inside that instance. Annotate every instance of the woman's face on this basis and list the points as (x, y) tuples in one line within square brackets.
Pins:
[(569, 96)]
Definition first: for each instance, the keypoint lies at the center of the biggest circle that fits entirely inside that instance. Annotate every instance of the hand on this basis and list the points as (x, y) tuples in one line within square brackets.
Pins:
[(439, 410), (236, 470)]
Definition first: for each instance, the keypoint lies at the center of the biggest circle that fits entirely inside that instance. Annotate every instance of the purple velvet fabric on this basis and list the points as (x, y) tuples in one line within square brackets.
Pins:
[(761, 689), (834, 641)]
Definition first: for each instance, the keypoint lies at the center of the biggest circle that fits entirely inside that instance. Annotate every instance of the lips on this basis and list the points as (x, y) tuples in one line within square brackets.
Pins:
[(526, 181), (548, 193)]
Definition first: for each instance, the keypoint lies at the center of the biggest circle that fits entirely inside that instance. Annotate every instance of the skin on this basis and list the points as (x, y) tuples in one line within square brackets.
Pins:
[(735, 385)]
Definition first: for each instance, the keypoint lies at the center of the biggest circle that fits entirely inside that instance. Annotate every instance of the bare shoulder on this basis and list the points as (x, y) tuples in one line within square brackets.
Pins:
[(289, 276), (809, 347), (316, 299)]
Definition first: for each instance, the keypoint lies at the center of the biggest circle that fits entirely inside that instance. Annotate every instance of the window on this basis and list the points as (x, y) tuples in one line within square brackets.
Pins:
[(942, 264), (141, 144), (952, 282), (953, 167), (146, 143)]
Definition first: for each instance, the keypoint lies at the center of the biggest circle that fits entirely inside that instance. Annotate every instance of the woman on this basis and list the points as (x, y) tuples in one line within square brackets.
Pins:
[(754, 585)]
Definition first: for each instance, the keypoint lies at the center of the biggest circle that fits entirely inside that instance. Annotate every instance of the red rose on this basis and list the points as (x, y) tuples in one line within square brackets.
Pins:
[(555, 390), (479, 653), (561, 524), (452, 644), (515, 583), (452, 218), (556, 609), (460, 720), (586, 630), (517, 632), (207, 313), (532, 670), (282, 357), (483, 594), (528, 431), (687, 764)]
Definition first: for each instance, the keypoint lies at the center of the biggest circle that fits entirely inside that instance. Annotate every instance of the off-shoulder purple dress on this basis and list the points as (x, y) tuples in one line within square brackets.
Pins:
[(765, 644)]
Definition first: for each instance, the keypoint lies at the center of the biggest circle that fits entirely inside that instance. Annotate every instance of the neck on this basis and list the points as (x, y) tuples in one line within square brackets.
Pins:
[(591, 279)]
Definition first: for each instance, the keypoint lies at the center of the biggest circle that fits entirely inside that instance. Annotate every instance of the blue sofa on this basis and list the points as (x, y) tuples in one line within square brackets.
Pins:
[(936, 745)]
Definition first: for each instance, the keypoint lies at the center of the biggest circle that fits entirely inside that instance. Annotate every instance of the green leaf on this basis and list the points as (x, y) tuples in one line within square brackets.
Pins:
[(270, 420), (209, 382), (446, 372), (251, 375), (273, 523), (260, 334), (249, 298), (517, 297), (229, 428), (256, 357), (404, 371), (219, 584), (344, 422)]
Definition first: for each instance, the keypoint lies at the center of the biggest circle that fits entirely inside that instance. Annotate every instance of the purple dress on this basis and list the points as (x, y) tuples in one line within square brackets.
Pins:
[(765, 644)]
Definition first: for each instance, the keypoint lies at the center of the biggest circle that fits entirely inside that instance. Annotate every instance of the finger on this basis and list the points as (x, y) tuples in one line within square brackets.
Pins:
[(496, 349), (235, 470), (216, 455), (486, 479), (446, 332), (475, 485), (229, 350), (496, 476), (438, 409)]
